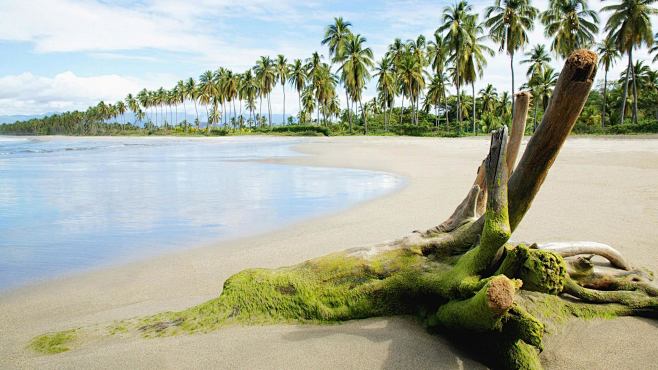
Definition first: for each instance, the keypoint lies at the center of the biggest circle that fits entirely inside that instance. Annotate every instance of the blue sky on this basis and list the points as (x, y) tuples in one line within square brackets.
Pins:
[(67, 54)]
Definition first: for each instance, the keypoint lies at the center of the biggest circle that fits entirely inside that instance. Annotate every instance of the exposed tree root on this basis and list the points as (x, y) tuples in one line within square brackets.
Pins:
[(462, 277)]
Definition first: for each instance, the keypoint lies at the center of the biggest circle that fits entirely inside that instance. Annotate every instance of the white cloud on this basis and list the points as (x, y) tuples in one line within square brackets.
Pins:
[(210, 33), (29, 94)]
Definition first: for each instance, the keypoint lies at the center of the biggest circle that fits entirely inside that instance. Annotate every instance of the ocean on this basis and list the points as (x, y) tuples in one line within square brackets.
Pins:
[(70, 204)]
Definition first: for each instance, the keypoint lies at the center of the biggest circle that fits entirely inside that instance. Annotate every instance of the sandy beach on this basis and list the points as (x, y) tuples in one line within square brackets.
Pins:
[(599, 189)]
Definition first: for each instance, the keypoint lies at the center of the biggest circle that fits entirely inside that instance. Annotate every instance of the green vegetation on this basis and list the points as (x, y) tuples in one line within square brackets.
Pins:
[(52, 343), (417, 73)]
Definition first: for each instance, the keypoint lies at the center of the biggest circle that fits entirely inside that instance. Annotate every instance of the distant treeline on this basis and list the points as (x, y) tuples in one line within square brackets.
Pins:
[(433, 78)]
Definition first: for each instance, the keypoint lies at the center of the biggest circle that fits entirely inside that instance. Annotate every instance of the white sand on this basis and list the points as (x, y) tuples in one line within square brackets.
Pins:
[(599, 189)]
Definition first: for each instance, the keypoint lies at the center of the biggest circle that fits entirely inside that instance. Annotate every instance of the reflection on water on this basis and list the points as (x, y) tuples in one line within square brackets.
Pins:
[(73, 203)]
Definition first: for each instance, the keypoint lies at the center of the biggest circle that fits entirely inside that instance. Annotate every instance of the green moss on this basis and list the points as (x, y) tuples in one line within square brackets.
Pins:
[(520, 355), (332, 288), (475, 313), (553, 309), (117, 328), (540, 271), (52, 343)]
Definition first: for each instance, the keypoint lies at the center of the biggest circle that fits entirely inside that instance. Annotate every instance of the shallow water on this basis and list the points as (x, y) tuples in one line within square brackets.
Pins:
[(69, 204)]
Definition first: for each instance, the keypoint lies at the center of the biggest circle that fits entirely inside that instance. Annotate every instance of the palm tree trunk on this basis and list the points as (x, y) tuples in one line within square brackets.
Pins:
[(240, 119), (176, 120), (511, 64), (365, 120), (349, 110), (207, 119), (628, 73), (185, 113), (197, 114), (402, 109), (299, 103), (445, 102), (634, 95), (283, 88), (459, 109), (235, 113), (417, 108), (605, 95), (269, 108), (260, 110), (473, 90), (386, 102), (534, 124)]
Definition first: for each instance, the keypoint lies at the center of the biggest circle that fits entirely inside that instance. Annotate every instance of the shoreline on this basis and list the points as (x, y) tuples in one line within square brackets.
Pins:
[(588, 184), (255, 232)]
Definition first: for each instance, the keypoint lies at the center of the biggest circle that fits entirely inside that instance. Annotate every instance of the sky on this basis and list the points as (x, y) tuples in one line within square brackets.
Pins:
[(59, 55)]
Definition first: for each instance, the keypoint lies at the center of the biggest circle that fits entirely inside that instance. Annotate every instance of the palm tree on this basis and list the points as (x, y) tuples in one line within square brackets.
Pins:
[(538, 59), (161, 100), (139, 114), (230, 89), (132, 104), (207, 91), (249, 89), (608, 55), (308, 101), (192, 94), (266, 74), (475, 61), (325, 90), (455, 22), (489, 98), (639, 75), (144, 100), (120, 107), (504, 105), (386, 84), (313, 66), (282, 75), (542, 84), (355, 69), (411, 78), (297, 78), (172, 99), (416, 48), (629, 26), (336, 36), (434, 95), (437, 53), (509, 22), (181, 97), (571, 24)]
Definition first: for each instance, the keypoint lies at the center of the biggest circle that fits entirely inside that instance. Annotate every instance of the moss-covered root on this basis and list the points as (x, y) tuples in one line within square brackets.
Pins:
[(636, 300), (482, 312), (517, 354), (540, 271)]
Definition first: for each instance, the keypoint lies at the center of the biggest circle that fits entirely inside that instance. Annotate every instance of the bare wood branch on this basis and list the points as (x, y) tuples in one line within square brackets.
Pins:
[(569, 97), (569, 249), (521, 107)]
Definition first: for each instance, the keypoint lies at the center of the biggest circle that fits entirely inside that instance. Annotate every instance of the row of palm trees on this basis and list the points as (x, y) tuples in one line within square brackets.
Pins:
[(412, 71)]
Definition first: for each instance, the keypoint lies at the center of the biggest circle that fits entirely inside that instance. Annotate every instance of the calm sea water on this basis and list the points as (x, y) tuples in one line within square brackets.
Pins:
[(69, 204)]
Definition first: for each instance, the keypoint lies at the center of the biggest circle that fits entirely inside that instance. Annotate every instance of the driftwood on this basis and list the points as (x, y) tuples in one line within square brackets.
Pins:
[(463, 277)]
